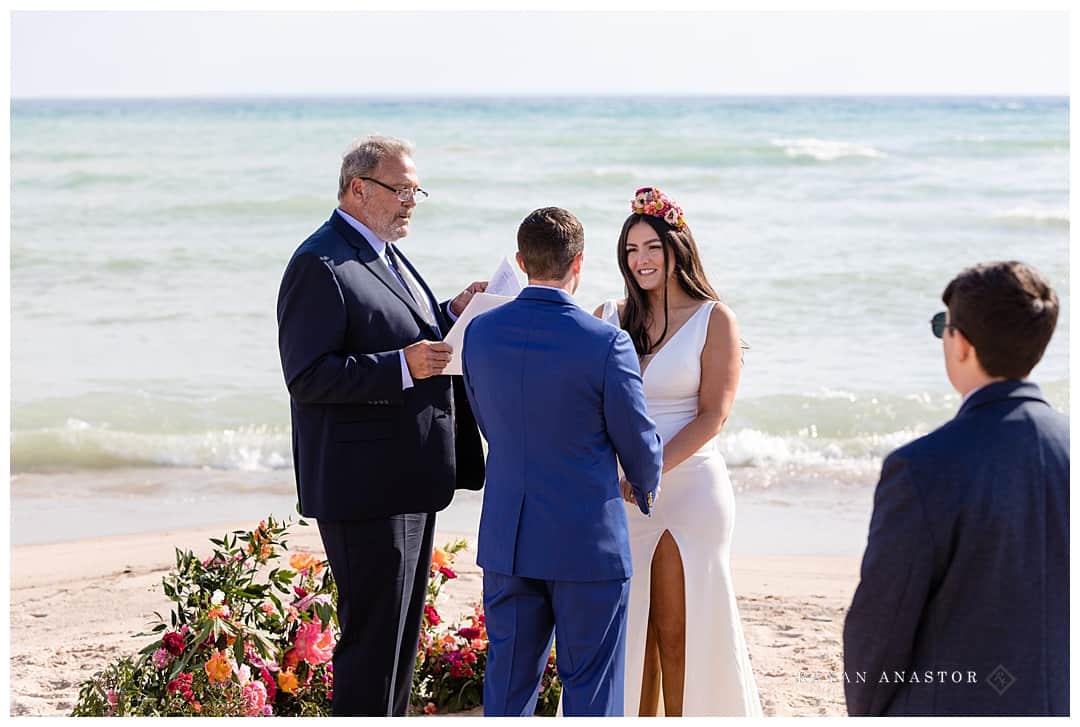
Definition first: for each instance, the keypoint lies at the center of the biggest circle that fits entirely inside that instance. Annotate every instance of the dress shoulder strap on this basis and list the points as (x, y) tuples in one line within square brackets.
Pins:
[(702, 323), (611, 312)]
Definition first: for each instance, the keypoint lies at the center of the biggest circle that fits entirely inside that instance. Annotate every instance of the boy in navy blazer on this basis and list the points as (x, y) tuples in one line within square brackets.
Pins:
[(963, 606), (557, 393)]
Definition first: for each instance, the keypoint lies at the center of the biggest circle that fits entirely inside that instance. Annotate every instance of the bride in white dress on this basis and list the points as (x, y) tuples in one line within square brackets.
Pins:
[(684, 638)]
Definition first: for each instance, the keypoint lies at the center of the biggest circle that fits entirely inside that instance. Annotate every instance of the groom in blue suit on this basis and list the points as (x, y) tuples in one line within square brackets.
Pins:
[(557, 394), (963, 607)]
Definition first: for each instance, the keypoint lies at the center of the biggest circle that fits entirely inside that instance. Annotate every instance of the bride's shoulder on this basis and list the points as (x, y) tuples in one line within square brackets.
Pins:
[(721, 314), (619, 304), (722, 324)]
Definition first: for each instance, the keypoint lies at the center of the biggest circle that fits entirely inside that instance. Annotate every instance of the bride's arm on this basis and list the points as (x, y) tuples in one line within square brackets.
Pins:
[(721, 364)]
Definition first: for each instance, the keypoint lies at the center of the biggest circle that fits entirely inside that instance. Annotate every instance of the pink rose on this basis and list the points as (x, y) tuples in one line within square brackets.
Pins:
[(161, 659), (432, 615), (447, 572), (254, 697), (313, 644)]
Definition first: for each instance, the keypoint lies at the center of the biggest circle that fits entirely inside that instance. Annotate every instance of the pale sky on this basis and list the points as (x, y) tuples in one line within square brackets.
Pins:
[(103, 54)]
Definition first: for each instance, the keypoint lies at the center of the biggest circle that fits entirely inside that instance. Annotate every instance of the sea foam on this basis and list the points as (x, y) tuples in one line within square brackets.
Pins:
[(825, 150), (1033, 215)]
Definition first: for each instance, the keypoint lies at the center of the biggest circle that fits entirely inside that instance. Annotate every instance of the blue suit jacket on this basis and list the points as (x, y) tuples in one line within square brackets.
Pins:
[(363, 447), (967, 567), (557, 393)]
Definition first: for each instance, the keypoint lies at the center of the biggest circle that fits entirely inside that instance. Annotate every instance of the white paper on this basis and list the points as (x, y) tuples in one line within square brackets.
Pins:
[(504, 281), (480, 303), (503, 286)]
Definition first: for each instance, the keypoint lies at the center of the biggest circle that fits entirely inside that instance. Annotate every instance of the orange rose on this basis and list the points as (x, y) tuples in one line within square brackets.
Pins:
[(218, 668), (301, 562), (287, 681), (440, 559)]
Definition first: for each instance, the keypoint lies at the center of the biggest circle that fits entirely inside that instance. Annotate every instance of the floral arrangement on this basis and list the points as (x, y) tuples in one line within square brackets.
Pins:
[(651, 201), (452, 658), (239, 642), (249, 637)]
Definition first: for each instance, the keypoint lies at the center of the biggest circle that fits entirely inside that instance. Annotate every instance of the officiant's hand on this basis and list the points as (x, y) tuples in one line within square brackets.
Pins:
[(427, 358), (457, 305)]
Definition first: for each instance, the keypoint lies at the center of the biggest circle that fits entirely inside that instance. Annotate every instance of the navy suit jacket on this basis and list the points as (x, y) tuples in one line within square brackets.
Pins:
[(557, 394), (363, 448), (967, 568)]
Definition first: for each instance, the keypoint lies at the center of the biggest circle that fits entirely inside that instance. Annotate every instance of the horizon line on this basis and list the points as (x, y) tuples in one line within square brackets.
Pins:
[(554, 95)]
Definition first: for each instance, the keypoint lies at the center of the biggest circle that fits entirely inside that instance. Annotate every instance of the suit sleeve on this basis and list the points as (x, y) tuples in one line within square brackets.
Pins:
[(897, 568), (628, 424), (312, 322)]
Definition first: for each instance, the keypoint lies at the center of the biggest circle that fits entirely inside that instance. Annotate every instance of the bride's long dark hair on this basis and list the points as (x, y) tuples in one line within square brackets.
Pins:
[(677, 244)]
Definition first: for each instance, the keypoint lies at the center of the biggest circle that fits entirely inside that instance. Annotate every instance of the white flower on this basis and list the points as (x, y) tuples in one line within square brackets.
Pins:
[(218, 598), (244, 673)]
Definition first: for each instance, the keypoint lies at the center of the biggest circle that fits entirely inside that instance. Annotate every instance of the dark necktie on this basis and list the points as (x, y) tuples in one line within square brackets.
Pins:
[(411, 285)]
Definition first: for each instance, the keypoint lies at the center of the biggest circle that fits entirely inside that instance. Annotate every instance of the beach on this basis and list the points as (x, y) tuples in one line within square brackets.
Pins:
[(148, 406), (75, 606)]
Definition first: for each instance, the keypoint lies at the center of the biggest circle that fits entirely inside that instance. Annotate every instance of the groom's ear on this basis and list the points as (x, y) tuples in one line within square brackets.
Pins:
[(575, 265), (520, 262)]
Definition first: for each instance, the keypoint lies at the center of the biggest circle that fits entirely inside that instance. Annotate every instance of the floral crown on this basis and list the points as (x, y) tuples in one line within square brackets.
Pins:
[(651, 201)]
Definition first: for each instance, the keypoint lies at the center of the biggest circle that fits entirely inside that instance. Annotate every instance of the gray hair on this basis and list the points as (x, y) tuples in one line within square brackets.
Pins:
[(365, 154)]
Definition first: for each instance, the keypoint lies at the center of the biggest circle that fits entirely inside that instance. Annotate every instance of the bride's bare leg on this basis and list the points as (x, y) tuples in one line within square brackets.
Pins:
[(667, 619), (650, 676)]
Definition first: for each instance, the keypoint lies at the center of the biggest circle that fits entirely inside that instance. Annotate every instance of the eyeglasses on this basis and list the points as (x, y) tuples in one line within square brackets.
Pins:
[(938, 324), (403, 195)]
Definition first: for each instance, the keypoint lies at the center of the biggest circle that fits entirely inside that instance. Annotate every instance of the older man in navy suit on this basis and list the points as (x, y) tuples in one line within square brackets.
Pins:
[(380, 440), (963, 606), (557, 394)]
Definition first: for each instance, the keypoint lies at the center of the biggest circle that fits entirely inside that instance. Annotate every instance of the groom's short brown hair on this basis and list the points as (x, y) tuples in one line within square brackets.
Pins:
[(549, 239), (1007, 311)]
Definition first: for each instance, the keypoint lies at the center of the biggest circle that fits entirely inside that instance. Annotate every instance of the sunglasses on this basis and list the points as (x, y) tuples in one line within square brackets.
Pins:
[(938, 324)]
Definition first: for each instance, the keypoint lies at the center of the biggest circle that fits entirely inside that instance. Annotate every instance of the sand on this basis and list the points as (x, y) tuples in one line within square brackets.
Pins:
[(75, 606)]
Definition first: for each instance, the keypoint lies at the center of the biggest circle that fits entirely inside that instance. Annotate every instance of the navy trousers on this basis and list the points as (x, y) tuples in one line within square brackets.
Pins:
[(381, 569), (588, 622)]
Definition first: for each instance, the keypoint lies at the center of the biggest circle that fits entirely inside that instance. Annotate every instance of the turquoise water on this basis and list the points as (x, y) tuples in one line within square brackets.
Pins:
[(148, 239)]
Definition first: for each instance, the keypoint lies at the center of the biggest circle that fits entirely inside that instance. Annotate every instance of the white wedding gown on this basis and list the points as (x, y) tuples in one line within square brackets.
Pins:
[(697, 505)]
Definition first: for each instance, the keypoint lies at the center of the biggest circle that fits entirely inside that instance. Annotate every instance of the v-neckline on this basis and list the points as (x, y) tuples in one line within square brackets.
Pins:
[(672, 338)]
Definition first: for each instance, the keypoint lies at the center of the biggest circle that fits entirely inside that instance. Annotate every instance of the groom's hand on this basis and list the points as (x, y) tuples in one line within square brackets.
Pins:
[(427, 358), (645, 504), (457, 305)]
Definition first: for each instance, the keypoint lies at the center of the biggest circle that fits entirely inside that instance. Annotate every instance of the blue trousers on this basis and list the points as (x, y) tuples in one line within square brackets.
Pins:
[(588, 622)]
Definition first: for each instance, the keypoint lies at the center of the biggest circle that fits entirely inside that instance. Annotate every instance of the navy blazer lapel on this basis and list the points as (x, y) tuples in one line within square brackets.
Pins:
[(1010, 389), (365, 253)]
